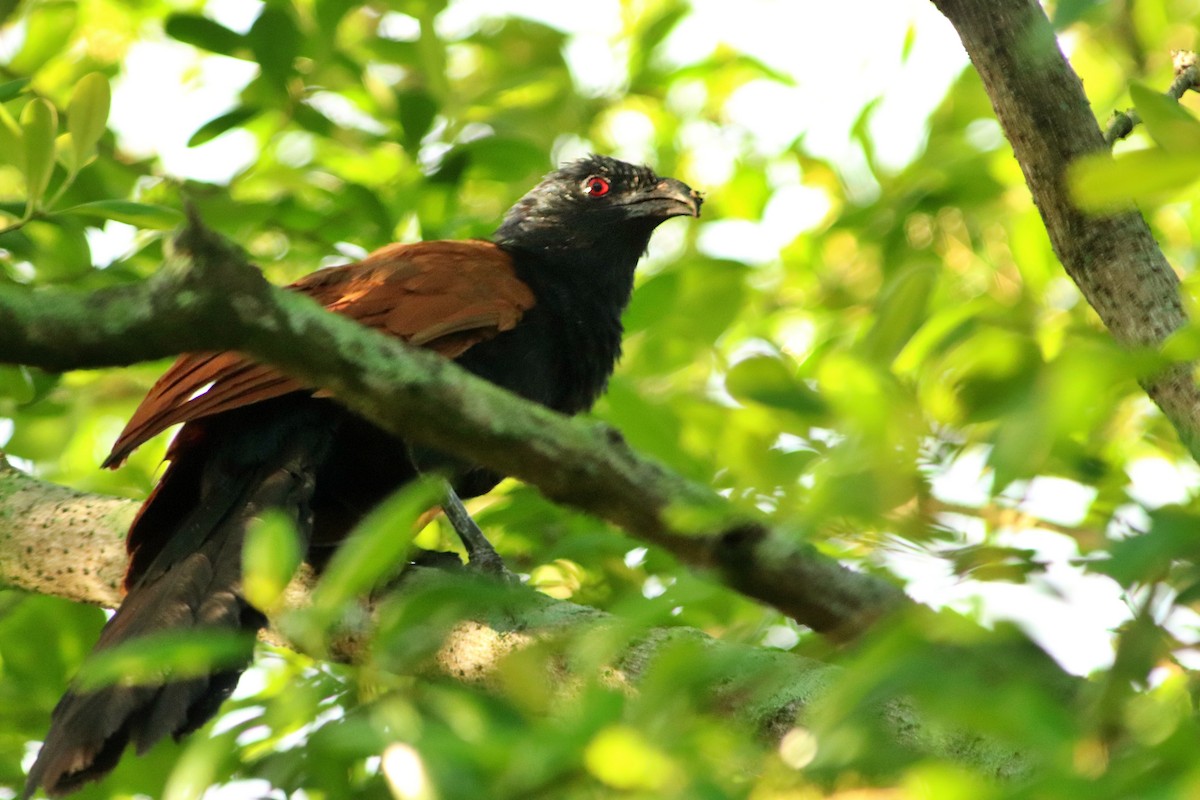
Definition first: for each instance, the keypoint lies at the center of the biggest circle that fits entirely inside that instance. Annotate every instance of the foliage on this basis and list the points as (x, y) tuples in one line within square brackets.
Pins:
[(922, 326)]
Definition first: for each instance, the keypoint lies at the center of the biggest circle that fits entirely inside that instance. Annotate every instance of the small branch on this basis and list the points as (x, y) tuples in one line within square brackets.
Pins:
[(208, 298), (1187, 76)]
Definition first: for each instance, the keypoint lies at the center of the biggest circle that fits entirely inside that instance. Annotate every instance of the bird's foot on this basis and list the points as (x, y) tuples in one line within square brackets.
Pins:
[(481, 556)]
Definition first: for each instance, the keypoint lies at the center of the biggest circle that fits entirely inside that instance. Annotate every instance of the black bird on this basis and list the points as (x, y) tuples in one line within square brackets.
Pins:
[(535, 310)]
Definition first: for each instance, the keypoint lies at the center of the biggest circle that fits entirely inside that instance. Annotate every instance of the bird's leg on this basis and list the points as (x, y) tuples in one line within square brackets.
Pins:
[(481, 555)]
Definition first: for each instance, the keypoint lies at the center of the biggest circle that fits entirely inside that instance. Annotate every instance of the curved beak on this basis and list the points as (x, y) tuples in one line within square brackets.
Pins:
[(667, 198)]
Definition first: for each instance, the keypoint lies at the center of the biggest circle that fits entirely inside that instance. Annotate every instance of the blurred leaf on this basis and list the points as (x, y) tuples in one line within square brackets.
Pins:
[(11, 89), (16, 384), (39, 128), (1170, 124), (87, 115), (910, 39), (143, 215), (502, 158), (200, 31), (276, 40), (218, 125), (270, 556), (416, 110), (12, 149), (48, 29), (1068, 12), (624, 759), (376, 550), (1147, 557), (58, 245), (769, 381), (175, 654), (196, 770), (900, 311), (1101, 183)]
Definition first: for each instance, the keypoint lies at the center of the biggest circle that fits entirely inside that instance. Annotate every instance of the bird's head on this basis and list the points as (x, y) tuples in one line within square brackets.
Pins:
[(596, 205)]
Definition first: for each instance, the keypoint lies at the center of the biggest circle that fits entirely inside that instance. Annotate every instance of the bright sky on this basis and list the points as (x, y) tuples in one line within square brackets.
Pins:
[(839, 64)]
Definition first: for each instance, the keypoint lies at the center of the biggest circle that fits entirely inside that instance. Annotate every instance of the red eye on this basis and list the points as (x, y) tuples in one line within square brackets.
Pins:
[(596, 186)]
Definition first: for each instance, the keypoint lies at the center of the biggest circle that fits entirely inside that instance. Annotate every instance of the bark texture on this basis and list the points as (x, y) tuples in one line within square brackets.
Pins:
[(1113, 259)]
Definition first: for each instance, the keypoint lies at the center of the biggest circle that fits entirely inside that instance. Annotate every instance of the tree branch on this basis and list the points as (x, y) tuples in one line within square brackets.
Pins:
[(1114, 259), (207, 297)]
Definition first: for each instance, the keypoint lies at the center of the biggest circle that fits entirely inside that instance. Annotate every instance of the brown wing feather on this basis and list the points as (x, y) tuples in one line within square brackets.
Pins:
[(447, 296)]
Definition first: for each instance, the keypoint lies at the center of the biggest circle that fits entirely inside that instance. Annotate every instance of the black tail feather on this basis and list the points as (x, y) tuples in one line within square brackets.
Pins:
[(191, 584)]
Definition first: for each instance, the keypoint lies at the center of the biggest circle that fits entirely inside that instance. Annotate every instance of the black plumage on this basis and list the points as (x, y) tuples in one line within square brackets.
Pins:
[(536, 310)]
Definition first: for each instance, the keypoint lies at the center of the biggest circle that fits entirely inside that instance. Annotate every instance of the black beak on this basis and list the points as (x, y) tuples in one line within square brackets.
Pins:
[(667, 198)]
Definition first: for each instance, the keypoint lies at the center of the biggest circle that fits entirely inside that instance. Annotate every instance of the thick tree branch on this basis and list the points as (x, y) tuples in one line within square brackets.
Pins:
[(1045, 115), (70, 544), (207, 297)]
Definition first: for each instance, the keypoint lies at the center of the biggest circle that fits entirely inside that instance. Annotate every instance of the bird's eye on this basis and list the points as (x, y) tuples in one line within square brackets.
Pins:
[(596, 186)]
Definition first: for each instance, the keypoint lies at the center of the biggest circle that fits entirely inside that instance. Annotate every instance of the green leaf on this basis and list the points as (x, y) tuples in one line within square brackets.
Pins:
[(270, 556), (12, 147), (1147, 557), (1100, 183), (143, 215), (275, 39), (200, 31), (87, 114), (173, 655), (1067, 12), (16, 383), (901, 310), (48, 30), (417, 110), (768, 381), (218, 125), (375, 550), (1170, 125), (11, 89), (39, 128), (502, 158)]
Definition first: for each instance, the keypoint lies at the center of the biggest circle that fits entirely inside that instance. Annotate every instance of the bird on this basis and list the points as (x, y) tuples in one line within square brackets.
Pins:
[(535, 309)]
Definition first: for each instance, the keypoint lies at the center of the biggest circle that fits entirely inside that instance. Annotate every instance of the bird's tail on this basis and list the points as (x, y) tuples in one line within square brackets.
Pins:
[(185, 574)]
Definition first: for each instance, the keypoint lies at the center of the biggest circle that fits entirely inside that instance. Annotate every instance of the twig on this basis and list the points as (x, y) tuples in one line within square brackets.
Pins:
[(1187, 76)]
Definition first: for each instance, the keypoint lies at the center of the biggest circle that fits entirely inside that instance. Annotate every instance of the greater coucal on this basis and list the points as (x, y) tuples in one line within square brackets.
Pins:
[(535, 310)]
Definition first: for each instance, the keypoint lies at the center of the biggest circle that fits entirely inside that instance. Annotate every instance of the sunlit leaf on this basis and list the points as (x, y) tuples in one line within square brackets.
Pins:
[(48, 30), (1171, 125), (12, 149), (622, 758), (1102, 183), (376, 549), (270, 556), (39, 128), (87, 115)]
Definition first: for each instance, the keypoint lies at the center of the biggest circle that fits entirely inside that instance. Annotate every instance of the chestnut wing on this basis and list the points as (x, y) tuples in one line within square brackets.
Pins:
[(446, 296)]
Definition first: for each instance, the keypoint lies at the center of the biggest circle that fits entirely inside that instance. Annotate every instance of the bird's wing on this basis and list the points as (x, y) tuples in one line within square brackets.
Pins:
[(446, 296)]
